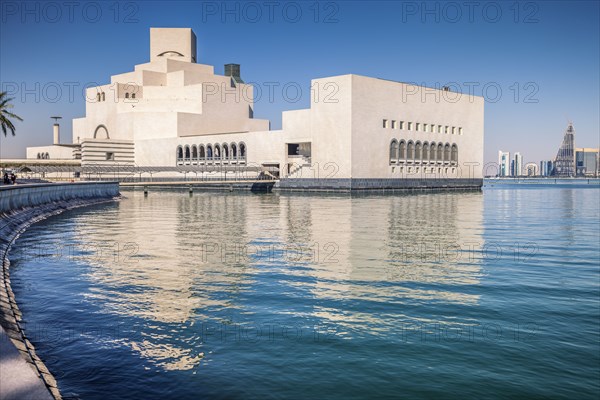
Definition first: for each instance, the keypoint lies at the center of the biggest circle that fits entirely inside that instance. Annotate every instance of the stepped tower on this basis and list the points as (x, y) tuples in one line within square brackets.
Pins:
[(564, 164)]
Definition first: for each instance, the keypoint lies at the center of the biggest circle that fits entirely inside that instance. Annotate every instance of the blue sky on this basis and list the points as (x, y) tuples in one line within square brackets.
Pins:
[(543, 56)]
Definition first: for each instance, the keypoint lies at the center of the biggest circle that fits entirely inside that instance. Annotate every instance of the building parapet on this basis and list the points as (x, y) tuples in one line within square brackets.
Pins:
[(17, 197)]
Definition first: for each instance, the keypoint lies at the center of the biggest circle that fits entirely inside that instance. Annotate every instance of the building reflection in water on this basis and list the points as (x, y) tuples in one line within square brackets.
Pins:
[(347, 263)]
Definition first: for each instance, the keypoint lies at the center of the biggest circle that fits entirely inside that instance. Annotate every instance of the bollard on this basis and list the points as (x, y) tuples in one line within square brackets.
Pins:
[(191, 190), (145, 191)]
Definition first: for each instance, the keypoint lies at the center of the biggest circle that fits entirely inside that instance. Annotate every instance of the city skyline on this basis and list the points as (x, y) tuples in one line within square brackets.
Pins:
[(570, 160), (542, 87), (578, 146)]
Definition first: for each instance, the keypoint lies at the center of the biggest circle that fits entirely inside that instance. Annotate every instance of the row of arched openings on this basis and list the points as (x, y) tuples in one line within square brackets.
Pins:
[(212, 153), (43, 156), (422, 153)]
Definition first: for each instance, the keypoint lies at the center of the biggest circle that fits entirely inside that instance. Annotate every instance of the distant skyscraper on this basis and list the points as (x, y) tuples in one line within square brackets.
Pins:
[(543, 166), (518, 164), (564, 164), (503, 163), (586, 162)]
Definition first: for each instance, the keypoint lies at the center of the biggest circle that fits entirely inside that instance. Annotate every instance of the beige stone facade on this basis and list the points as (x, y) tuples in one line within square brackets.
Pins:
[(174, 111)]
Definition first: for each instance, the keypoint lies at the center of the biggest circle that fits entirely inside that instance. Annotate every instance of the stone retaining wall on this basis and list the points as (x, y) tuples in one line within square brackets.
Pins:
[(381, 185), (21, 206)]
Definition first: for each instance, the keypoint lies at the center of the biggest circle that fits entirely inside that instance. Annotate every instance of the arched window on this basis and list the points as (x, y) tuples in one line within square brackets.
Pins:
[(179, 153), (425, 155), (98, 97), (402, 151), (126, 95), (194, 152), (133, 95), (38, 156), (225, 148), (454, 156), (187, 153), (101, 131), (242, 151), (432, 152), (103, 96), (447, 153), (418, 152), (393, 151), (47, 156), (440, 153), (209, 152), (410, 151), (202, 152), (233, 151), (217, 151)]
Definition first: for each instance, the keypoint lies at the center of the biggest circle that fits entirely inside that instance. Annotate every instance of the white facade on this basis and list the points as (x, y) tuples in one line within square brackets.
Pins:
[(173, 111), (518, 164), (531, 169)]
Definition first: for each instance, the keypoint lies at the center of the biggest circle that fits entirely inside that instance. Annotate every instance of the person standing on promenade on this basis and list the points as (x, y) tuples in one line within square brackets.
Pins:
[(13, 178)]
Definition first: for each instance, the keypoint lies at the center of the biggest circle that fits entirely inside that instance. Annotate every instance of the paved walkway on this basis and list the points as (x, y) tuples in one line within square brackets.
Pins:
[(18, 380)]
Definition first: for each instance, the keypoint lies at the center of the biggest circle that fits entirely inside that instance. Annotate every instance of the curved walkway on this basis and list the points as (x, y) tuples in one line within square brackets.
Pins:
[(18, 380)]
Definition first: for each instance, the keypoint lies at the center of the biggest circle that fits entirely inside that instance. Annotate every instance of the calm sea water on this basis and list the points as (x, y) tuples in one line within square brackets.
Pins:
[(229, 295)]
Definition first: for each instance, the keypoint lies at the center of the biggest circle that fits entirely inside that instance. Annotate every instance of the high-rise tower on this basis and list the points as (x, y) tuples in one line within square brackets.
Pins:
[(564, 164)]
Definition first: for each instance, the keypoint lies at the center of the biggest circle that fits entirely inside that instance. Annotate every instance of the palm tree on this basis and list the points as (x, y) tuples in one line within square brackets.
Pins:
[(5, 122)]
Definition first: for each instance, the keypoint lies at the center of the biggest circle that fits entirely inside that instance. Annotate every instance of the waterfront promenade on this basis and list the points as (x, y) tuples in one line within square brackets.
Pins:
[(23, 374), (17, 379)]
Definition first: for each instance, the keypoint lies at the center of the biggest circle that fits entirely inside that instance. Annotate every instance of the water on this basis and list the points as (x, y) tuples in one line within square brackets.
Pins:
[(229, 295)]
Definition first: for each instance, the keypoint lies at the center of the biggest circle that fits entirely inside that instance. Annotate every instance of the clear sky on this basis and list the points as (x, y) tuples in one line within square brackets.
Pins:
[(536, 63)]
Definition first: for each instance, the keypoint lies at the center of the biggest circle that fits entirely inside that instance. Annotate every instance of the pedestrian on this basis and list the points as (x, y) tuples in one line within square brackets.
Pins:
[(6, 181), (13, 178)]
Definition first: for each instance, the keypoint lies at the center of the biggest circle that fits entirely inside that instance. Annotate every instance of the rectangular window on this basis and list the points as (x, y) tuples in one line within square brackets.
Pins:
[(393, 124), (460, 131), (110, 156), (385, 123), (439, 129), (453, 130), (417, 126), (446, 129), (401, 124), (410, 126), (426, 128)]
